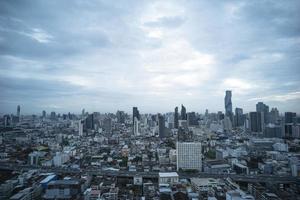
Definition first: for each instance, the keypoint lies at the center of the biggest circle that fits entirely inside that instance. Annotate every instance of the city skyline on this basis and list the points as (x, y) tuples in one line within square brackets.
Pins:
[(105, 56)]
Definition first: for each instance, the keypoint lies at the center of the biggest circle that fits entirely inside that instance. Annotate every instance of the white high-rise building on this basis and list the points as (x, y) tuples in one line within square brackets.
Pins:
[(136, 127), (189, 155), (80, 128)]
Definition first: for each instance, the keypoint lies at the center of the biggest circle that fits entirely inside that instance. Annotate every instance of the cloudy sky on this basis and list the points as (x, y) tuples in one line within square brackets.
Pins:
[(110, 55)]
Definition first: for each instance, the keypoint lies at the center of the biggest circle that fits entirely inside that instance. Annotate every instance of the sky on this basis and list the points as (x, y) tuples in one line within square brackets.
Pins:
[(107, 55)]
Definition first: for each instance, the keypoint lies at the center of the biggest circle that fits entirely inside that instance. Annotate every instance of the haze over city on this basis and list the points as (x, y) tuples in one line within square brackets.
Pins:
[(106, 55)]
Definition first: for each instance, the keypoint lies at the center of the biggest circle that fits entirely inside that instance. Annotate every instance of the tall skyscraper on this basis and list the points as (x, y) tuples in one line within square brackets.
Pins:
[(18, 111), (136, 127), (261, 107), (161, 126), (192, 119), (120, 116), (289, 116), (80, 128), (189, 155), (228, 105), (135, 114), (107, 124), (256, 120), (274, 115), (89, 122), (183, 113), (176, 117), (44, 114), (239, 117)]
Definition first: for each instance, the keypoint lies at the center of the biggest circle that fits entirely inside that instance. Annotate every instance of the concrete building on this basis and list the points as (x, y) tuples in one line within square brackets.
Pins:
[(189, 155)]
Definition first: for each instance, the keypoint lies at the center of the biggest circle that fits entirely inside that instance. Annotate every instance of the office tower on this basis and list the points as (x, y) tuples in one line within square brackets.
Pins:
[(89, 122), (206, 113), (261, 107), (107, 124), (44, 114), (256, 120), (135, 114), (227, 125), (183, 113), (120, 117), (136, 127), (80, 128), (7, 120), (228, 105), (239, 117), (53, 115), (176, 117), (161, 126), (220, 115), (189, 155), (273, 131), (274, 115), (82, 112), (192, 119), (288, 117), (18, 111)]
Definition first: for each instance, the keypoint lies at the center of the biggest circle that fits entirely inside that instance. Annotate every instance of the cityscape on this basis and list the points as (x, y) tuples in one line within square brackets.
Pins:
[(175, 155), (149, 100)]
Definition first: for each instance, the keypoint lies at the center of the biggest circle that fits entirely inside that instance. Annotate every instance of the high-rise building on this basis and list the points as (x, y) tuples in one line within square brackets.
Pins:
[(239, 117), (261, 107), (256, 120), (289, 116), (18, 111), (53, 115), (228, 105), (183, 113), (192, 119), (89, 122), (135, 114), (136, 127), (107, 124), (80, 128), (274, 115), (44, 114), (120, 116), (161, 126), (189, 155), (176, 117)]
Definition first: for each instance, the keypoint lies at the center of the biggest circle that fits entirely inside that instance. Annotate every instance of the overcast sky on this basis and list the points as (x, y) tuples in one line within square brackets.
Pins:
[(109, 55)]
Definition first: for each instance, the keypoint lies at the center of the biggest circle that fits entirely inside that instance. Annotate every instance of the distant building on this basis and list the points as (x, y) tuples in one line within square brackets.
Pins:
[(120, 117), (183, 113), (176, 118), (18, 112), (189, 155), (239, 117), (135, 114), (192, 119), (289, 116), (136, 127), (80, 128), (161, 126), (107, 126), (263, 108), (228, 105), (44, 114), (274, 115), (256, 122)]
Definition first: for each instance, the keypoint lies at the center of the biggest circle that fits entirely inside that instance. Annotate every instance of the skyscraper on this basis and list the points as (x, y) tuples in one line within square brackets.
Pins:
[(135, 118), (256, 122), (161, 126), (183, 113), (192, 119), (107, 124), (189, 155), (18, 111), (44, 114), (176, 118), (288, 117), (228, 104), (274, 115), (261, 107), (239, 117)]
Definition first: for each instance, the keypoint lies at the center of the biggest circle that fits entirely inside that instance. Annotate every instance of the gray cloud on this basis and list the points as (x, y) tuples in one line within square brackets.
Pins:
[(105, 55)]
